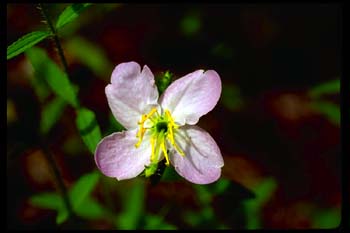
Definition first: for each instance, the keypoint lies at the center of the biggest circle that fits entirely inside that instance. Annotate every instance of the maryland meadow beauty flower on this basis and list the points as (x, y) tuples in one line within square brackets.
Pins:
[(160, 128)]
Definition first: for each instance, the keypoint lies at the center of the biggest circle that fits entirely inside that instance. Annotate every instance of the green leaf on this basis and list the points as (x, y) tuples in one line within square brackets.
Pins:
[(90, 55), (263, 193), (190, 24), (55, 77), (133, 206), (25, 42), (330, 87), (51, 113), (90, 209), (326, 218), (70, 13), (155, 222), (88, 128), (82, 188), (231, 97), (51, 201), (328, 109), (47, 200)]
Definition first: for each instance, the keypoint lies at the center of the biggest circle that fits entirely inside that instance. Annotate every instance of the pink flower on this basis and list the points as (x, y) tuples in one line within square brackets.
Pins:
[(161, 128)]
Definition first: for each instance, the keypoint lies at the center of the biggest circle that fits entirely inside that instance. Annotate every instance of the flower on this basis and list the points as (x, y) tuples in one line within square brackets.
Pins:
[(160, 128)]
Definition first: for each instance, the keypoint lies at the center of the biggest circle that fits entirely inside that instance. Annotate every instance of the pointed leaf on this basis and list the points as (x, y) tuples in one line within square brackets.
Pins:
[(328, 109), (70, 13), (25, 42), (55, 77), (51, 113), (82, 188), (88, 128), (91, 209), (330, 87), (47, 200)]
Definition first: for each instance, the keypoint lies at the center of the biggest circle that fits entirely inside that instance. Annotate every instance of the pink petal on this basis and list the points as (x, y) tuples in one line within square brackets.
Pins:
[(131, 93), (192, 96), (116, 155), (202, 161)]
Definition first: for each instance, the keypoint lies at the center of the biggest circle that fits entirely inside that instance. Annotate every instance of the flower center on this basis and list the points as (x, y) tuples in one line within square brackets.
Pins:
[(162, 128)]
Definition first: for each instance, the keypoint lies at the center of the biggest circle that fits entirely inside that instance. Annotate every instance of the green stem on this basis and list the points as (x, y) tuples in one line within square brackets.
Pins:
[(55, 37), (51, 160)]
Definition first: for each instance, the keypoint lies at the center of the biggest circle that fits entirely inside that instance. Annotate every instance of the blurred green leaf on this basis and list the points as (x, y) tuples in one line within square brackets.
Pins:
[(47, 200), (70, 13), (51, 113), (88, 128), (25, 42), (90, 209), (263, 193), (51, 201), (326, 218), (155, 222), (328, 109), (170, 175), (223, 51), (133, 206), (82, 188), (90, 55), (330, 87), (62, 216), (190, 24), (55, 77), (231, 97)]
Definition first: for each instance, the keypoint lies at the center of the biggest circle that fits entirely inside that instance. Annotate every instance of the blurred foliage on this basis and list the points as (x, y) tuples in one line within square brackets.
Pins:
[(91, 55), (326, 218), (190, 24), (330, 87), (231, 97), (55, 77), (319, 104), (88, 128), (263, 192), (329, 110), (51, 113), (79, 194)]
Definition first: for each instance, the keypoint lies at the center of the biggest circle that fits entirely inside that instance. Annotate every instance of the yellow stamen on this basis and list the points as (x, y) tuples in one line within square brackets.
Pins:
[(165, 153), (142, 130), (172, 125), (152, 145)]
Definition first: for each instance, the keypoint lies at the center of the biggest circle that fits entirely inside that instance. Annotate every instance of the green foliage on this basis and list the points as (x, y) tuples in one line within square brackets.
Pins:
[(70, 13), (330, 87), (328, 109), (51, 113), (163, 81), (83, 205), (155, 222), (88, 128), (231, 97), (55, 77), (82, 188), (90, 55), (263, 193), (133, 206), (326, 218), (25, 42), (190, 24)]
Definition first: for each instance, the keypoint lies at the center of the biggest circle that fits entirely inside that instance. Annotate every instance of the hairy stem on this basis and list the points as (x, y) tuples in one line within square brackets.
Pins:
[(55, 37)]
